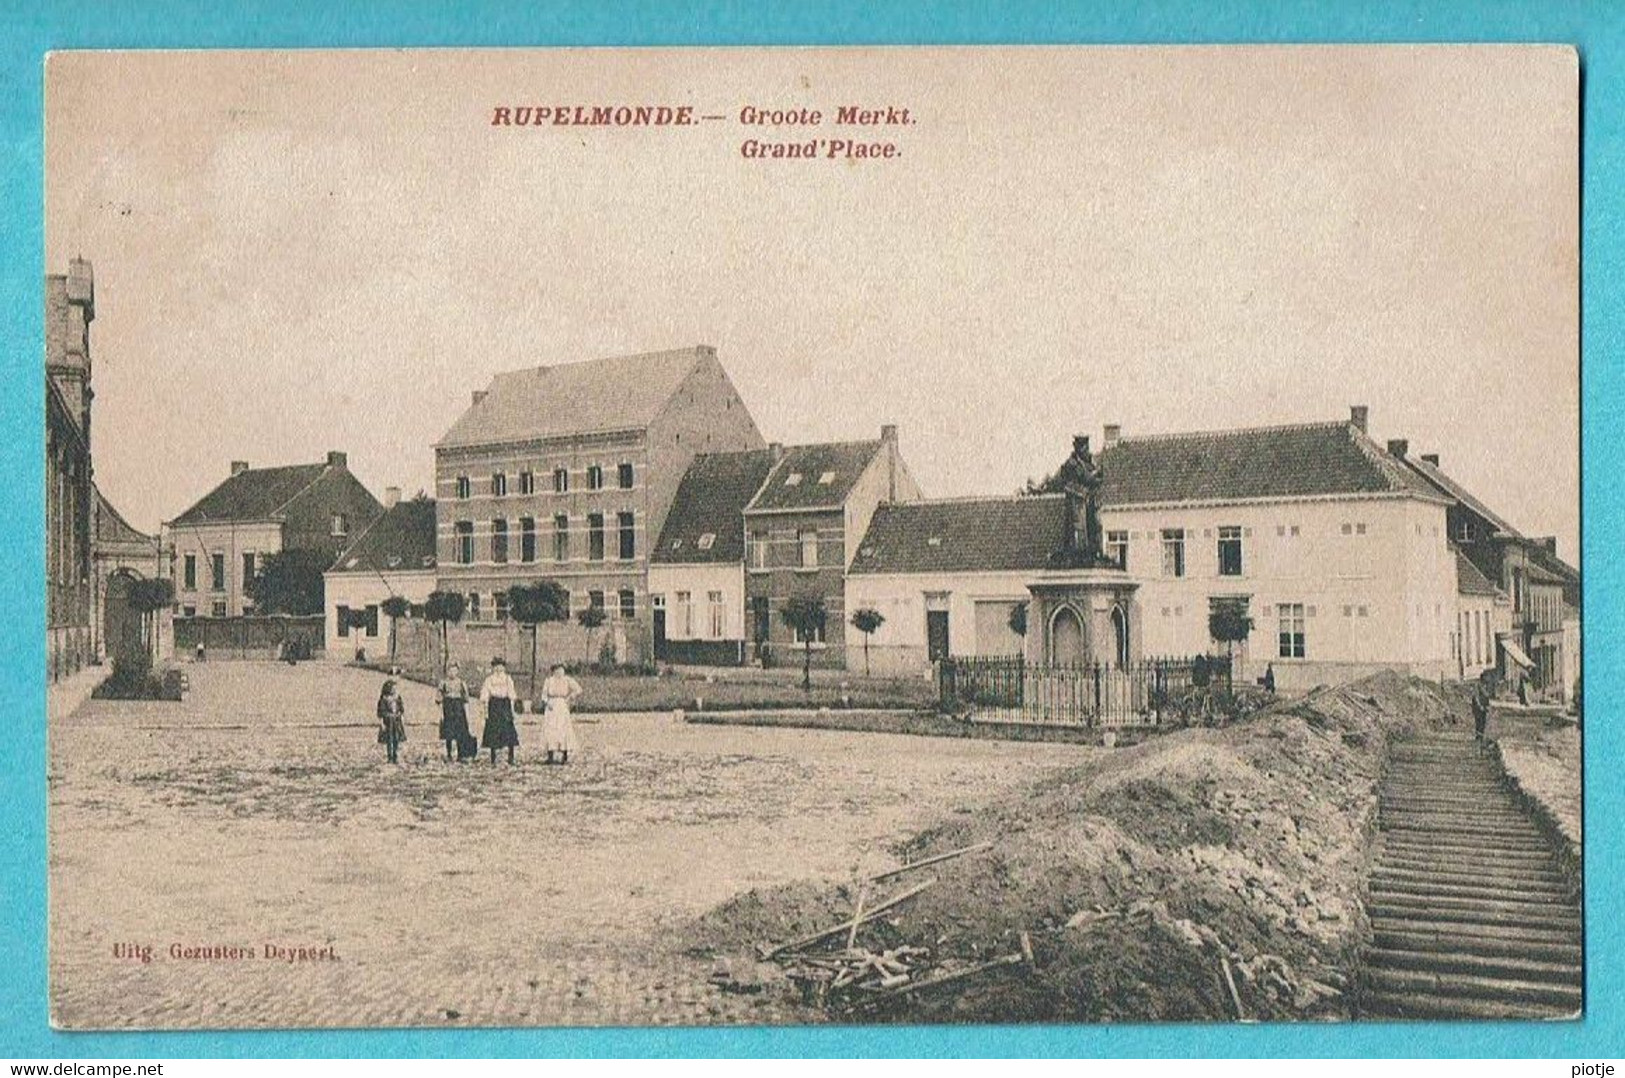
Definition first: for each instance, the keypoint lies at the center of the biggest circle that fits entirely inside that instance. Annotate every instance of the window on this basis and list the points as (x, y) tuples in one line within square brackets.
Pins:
[(500, 601), (627, 525), (1173, 552), (527, 482), (248, 568), (1292, 629), (561, 481), (624, 475), (719, 614), (826, 479), (629, 603), (561, 538), (1347, 529), (499, 484), (465, 486), (217, 574), (527, 539), (793, 479), (1230, 551), (341, 525), (758, 550), (707, 541), (188, 611), (219, 609), (372, 620), (595, 536), (465, 542), (807, 548), (595, 600), (1117, 548), (499, 541), (190, 572), (1464, 531), (595, 477), (1359, 529), (473, 606), (685, 614)]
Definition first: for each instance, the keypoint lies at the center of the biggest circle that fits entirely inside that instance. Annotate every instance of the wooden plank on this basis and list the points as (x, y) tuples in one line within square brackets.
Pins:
[(816, 937), (950, 855)]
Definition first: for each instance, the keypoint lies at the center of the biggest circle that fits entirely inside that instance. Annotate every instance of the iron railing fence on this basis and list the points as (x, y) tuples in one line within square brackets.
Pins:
[(1010, 689)]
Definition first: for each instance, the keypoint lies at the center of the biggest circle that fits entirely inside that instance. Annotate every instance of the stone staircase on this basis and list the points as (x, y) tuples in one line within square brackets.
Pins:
[(1470, 916)]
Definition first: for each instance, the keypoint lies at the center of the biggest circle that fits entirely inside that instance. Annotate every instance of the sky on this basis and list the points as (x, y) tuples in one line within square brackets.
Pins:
[(303, 251)]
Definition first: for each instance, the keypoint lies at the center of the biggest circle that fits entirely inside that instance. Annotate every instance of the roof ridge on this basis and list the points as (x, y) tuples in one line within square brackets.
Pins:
[(650, 354), (972, 499), (321, 470), (1264, 429)]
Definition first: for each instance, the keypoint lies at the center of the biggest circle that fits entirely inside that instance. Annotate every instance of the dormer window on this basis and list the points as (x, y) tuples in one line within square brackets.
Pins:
[(394, 561), (826, 479), (341, 525), (707, 541), (935, 540), (793, 480)]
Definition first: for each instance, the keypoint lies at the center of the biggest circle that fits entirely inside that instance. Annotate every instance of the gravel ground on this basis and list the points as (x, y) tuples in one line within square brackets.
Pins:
[(260, 811), (1545, 758)]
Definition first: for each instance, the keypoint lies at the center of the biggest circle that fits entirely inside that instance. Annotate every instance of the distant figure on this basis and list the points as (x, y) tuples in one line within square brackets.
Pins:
[(391, 720), (453, 696), (497, 694), (200, 651), (558, 729), (1483, 693), (1269, 678)]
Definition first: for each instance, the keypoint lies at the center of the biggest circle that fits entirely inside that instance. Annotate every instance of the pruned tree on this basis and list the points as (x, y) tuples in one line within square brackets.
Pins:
[(590, 619), (442, 608), (531, 605), (289, 582), (866, 620), (805, 614), (394, 608), (1229, 624), (1018, 619)]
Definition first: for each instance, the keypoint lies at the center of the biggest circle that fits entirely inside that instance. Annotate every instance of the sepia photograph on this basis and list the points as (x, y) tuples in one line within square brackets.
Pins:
[(798, 536)]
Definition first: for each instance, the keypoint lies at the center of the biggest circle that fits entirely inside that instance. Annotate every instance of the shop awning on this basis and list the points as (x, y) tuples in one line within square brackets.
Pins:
[(1515, 653)]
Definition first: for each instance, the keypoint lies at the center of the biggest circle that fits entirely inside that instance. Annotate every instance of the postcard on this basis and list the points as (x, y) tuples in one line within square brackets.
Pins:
[(729, 536)]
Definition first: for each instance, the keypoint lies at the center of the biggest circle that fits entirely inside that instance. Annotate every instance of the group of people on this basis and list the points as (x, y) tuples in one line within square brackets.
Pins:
[(497, 694)]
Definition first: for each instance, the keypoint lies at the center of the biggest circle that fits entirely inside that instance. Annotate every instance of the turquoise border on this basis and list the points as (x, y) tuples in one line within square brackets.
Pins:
[(1598, 29)]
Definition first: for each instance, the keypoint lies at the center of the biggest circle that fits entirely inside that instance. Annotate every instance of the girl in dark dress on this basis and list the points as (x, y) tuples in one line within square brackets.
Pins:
[(497, 694), (391, 721), (453, 711)]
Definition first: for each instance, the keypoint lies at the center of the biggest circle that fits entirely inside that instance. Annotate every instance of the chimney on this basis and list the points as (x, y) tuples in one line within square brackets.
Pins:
[(392, 495), (1358, 415), (1114, 434), (479, 396), (336, 459), (888, 433), (82, 286), (1080, 445), (1398, 447), (1431, 458), (1550, 543), (238, 467), (776, 451), (888, 441)]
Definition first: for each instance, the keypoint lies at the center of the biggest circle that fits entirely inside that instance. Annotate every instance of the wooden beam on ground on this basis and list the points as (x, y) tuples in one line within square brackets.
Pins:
[(950, 855), (817, 937)]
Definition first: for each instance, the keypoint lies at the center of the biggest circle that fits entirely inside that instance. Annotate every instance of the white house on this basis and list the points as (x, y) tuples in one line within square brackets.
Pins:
[(395, 555), (1335, 550)]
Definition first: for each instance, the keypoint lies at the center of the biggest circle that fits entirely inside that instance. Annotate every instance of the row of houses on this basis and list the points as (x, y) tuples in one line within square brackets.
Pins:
[(643, 486)]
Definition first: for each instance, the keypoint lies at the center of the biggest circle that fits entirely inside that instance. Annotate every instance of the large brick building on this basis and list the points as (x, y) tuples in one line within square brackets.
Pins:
[(567, 473), (70, 493)]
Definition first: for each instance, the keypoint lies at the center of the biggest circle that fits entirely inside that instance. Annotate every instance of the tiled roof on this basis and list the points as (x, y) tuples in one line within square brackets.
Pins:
[(1469, 580), (1303, 460), (255, 494), (400, 540), (710, 501), (1012, 534), (619, 393), (1441, 482), (815, 476), (111, 527)]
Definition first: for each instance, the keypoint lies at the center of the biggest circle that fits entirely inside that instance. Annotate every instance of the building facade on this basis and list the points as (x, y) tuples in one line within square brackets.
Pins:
[(567, 473), (219, 544), (121, 555), (394, 556), (800, 537), (70, 494)]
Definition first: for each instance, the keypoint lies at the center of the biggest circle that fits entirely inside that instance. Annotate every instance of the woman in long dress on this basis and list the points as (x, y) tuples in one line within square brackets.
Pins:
[(497, 694), (391, 721), (559, 691), (453, 692)]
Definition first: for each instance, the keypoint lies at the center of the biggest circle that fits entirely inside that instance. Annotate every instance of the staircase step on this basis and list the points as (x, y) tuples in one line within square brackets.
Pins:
[(1537, 882), (1421, 1006), (1483, 988), (1504, 968), (1472, 845), (1478, 915), (1562, 949), (1389, 885)]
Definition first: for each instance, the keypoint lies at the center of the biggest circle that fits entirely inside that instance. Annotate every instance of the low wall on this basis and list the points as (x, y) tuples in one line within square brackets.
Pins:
[(473, 646), (246, 637), (702, 652)]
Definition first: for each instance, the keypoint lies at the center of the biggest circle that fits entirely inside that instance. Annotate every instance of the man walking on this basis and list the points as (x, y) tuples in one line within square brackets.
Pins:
[(1483, 693)]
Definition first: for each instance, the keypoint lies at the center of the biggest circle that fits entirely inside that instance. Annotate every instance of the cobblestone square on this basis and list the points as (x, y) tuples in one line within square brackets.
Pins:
[(261, 812)]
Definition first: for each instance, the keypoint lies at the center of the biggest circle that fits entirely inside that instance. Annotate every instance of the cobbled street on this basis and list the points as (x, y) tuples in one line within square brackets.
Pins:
[(261, 811)]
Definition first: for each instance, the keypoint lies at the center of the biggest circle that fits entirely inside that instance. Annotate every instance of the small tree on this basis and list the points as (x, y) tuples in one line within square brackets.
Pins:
[(289, 582), (590, 619), (442, 608), (395, 608), (866, 620), (1018, 619), (359, 622), (531, 605), (805, 614), (148, 596), (1229, 624)]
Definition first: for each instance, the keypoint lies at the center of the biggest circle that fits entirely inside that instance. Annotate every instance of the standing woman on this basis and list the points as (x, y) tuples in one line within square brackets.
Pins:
[(453, 694), (558, 729), (497, 694), (391, 720)]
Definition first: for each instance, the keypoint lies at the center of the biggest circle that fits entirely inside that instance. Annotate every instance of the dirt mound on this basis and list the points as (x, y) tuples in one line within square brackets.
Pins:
[(1149, 883)]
